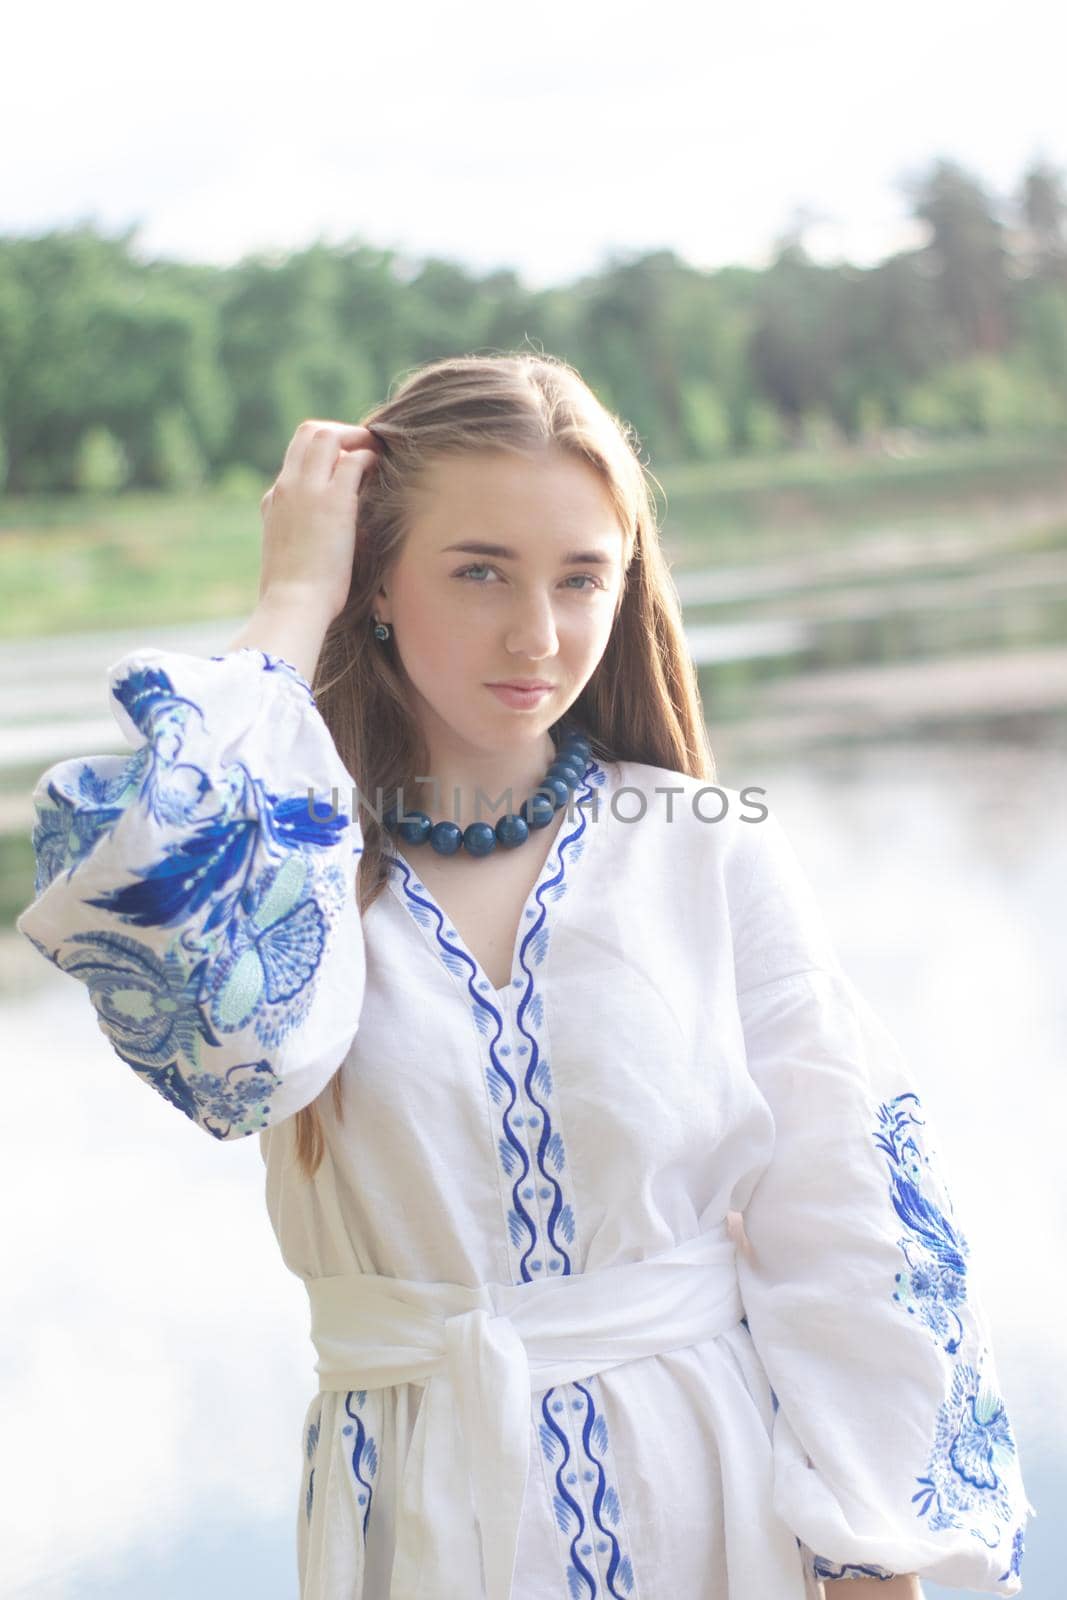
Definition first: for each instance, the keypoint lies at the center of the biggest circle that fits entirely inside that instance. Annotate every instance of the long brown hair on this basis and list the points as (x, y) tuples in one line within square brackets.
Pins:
[(642, 702)]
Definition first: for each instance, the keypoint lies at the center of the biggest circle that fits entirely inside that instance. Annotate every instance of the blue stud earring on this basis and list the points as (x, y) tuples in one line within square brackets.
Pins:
[(381, 630)]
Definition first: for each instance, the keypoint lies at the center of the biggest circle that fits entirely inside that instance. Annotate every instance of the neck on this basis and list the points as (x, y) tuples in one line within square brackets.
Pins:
[(470, 788)]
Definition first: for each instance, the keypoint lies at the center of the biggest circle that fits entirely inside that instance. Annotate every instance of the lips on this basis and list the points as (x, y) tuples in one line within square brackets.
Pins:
[(524, 699), (522, 683)]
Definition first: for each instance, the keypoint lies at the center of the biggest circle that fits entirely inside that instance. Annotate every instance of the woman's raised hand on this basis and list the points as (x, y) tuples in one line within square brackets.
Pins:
[(309, 517)]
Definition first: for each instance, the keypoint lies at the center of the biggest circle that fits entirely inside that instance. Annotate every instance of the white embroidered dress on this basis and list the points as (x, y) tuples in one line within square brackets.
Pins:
[(678, 1042)]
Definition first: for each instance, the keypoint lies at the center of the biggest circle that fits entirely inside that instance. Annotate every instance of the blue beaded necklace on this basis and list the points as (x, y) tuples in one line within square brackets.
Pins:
[(481, 838)]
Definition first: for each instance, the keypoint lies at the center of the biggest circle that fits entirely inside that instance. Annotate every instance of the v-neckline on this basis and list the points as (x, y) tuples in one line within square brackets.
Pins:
[(559, 863)]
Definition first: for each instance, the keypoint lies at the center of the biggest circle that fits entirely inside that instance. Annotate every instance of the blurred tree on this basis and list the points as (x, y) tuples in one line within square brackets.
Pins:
[(632, 340), (90, 338), (448, 311), (178, 460), (1042, 347), (101, 464), (985, 395), (284, 355), (710, 317), (375, 315), (14, 335), (792, 347), (51, 283), (1043, 207), (884, 321), (966, 257), (192, 370)]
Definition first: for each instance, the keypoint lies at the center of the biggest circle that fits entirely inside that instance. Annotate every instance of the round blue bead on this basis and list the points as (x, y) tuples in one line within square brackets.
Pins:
[(538, 811), (557, 789), (565, 770), (414, 827), (446, 838), (479, 838), (511, 830)]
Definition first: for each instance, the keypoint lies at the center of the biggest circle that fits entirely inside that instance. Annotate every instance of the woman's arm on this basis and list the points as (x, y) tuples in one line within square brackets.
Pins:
[(291, 627)]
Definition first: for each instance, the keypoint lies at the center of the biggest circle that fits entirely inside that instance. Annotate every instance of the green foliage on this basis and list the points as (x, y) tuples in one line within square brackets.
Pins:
[(138, 375), (1043, 334), (72, 562), (101, 463), (240, 482), (177, 458), (706, 419), (984, 395), (765, 430)]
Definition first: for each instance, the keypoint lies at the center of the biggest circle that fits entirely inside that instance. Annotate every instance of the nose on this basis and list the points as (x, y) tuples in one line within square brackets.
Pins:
[(532, 630)]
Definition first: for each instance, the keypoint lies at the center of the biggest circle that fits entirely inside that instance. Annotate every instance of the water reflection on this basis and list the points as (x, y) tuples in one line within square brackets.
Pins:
[(883, 636)]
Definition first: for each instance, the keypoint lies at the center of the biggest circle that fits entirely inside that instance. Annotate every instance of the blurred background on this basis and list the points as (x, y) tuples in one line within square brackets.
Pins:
[(818, 259)]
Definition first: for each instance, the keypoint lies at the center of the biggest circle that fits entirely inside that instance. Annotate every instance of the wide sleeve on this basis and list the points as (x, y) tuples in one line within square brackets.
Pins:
[(203, 888), (893, 1448)]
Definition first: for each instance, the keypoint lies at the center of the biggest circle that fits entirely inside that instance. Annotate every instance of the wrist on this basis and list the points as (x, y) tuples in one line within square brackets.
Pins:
[(288, 626), (296, 603)]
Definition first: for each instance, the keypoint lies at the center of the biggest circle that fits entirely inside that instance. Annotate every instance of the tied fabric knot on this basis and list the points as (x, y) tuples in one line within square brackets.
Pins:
[(474, 1421)]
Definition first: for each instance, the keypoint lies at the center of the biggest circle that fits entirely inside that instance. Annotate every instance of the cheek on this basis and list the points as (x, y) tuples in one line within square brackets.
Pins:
[(595, 636), (418, 606), (439, 637)]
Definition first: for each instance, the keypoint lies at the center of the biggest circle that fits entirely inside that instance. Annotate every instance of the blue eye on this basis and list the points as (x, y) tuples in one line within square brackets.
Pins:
[(482, 566)]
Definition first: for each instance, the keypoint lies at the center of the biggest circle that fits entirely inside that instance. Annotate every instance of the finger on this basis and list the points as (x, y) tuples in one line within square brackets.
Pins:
[(324, 443), (355, 463), (338, 434)]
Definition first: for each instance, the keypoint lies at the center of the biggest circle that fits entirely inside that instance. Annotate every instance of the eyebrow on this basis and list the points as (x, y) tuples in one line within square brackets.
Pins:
[(504, 552)]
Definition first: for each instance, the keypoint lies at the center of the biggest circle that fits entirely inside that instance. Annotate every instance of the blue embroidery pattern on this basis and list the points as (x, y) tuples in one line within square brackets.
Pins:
[(1014, 1567), (245, 888), (936, 1252), (540, 1218), (364, 1451), (537, 1080), (974, 1451), (821, 1568), (311, 1444), (363, 1455), (80, 811), (557, 1449), (514, 1153), (973, 1446)]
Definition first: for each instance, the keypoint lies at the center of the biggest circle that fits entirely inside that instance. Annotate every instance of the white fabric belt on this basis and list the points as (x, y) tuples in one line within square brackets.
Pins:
[(481, 1353)]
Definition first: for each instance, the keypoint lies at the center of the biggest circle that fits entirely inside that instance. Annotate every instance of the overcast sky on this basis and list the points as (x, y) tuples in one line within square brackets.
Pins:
[(542, 138)]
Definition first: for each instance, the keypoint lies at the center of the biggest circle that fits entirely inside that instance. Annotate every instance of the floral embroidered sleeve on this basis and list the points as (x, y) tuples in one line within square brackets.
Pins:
[(892, 1447), (203, 887)]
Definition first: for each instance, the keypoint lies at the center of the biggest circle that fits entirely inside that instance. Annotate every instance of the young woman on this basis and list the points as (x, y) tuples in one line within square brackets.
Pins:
[(631, 1263)]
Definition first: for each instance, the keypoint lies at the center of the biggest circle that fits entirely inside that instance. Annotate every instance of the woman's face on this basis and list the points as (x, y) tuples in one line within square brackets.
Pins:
[(541, 605)]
